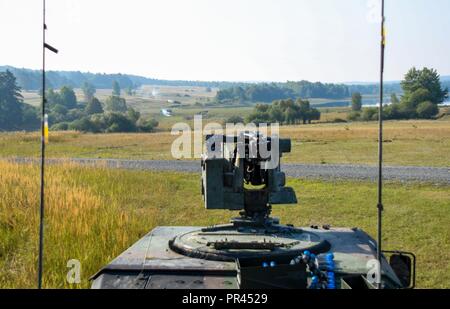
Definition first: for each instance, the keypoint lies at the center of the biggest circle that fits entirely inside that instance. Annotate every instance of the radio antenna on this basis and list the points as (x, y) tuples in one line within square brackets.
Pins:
[(380, 143), (44, 137)]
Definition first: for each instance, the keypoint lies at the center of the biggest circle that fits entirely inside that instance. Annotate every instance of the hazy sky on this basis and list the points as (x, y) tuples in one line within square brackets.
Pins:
[(258, 40)]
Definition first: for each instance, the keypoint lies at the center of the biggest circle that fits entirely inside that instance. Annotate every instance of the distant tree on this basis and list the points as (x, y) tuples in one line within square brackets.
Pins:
[(60, 110), (254, 92), (116, 122), (314, 114), (427, 110), (74, 114), (262, 108), (369, 114), (234, 120), (276, 114), (354, 116), (393, 111), (67, 97), (411, 100), (258, 117), (53, 98), (238, 93), (290, 115), (427, 79), (133, 114), (260, 114), (303, 112), (284, 111), (417, 96), (422, 92), (356, 101), (129, 90), (10, 102), (305, 89), (30, 118), (110, 122), (116, 104), (147, 125), (61, 126), (116, 88), (88, 91), (93, 107), (83, 124), (394, 99)]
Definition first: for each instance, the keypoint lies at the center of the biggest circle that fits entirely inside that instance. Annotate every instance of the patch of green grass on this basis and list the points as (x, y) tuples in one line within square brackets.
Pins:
[(93, 214)]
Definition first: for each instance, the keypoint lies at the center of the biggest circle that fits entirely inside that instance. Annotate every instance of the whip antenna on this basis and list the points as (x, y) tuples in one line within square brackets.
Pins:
[(44, 138), (380, 142)]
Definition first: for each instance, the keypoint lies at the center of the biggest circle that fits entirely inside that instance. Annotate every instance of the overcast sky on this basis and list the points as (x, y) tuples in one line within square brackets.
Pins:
[(251, 40)]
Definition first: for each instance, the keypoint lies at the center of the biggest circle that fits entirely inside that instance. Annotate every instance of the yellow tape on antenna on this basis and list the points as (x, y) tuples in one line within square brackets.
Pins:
[(46, 129)]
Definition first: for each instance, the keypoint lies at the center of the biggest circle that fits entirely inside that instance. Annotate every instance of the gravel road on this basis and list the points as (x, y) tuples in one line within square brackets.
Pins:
[(302, 171)]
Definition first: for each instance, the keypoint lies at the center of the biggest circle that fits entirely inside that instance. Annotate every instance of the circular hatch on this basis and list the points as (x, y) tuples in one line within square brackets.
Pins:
[(227, 243)]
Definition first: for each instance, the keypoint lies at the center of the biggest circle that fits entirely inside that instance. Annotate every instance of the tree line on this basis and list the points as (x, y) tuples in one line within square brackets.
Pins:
[(254, 93), (422, 93), (31, 80), (283, 112), (94, 116), (268, 92), (66, 113), (389, 88), (305, 89), (374, 89)]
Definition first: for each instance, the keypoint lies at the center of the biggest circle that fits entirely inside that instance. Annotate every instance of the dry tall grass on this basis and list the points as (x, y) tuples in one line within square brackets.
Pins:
[(91, 215)]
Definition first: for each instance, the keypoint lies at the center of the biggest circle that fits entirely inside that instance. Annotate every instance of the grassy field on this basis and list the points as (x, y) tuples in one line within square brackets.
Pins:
[(94, 214), (422, 143)]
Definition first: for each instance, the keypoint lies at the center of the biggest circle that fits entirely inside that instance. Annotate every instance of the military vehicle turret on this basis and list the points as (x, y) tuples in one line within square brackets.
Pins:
[(242, 173)]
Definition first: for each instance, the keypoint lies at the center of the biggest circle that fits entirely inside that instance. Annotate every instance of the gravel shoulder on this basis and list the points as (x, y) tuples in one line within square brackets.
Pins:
[(301, 171)]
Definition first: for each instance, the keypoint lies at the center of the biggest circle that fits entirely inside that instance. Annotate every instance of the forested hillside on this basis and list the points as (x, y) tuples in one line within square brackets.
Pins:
[(29, 79)]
